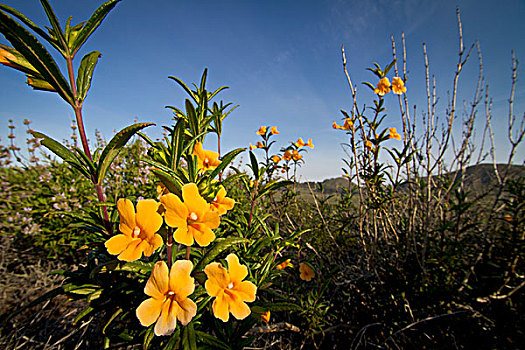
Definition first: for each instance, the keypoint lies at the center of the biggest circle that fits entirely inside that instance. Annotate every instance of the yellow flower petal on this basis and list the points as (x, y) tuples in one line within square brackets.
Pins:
[(218, 279), (239, 309), (202, 234), (176, 213), (193, 200), (185, 311), (236, 271), (148, 311), (273, 130), (246, 291), (126, 212), (133, 251), (221, 308), (153, 244), (167, 321), (181, 283), (183, 236), (158, 283), (147, 218), (116, 244)]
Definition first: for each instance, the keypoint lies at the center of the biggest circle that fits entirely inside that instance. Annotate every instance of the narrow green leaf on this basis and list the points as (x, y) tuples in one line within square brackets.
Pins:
[(85, 73), (254, 165), (30, 24), (272, 186), (173, 184), (220, 244), (36, 54), (185, 87), (56, 25), (189, 341), (115, 314), (40, 84), (92, 24), (114, 146), (49, 295), (174, 341), (83, 313), (57, 148), (148, 337), (225, 161), (177, 141), (192, 118), (212, 341)]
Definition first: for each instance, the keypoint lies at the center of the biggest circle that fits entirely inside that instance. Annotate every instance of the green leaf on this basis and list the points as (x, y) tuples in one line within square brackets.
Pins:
[(148, 337), (273, 186), (36, 54), (39, 84), (255, 165), (225, 161), (58, 149), (115, 314), (174, 340), (85, 73), (92, 24), (30, 24), (177, 141), (83, 314), (189, 340), (56, 26), (276, 307), (212, 341), (219, 246), (114, 146), (192, 118), (185, 87), (173, 184), (372, 87)]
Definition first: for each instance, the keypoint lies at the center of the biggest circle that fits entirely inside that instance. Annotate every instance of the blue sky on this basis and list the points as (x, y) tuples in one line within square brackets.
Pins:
[(281, 60)]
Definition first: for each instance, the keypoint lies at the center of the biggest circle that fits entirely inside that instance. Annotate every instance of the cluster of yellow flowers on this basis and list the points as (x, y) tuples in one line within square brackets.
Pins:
[(194, 219), (263, 131), (384, 87), (294, 154)]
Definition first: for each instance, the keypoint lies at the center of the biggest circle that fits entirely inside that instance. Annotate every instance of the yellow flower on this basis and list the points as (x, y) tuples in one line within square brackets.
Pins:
[(230, 291), (276, 159), (310, 144), (300, 142), (261, 131), (296, 156), (284, 265), (265, 316), (273, 130), (346, 126), (193, 218), (169, 291), (260, 144), (398, 86), (207, 160), (508, 218), (221, 204), (287, 155), (369, 145), (252, 147), (306, 272), (383, 87), (393, 134), (138, 230)]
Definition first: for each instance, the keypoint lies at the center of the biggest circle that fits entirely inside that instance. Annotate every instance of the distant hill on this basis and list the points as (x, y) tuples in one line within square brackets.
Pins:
[(477, 179)]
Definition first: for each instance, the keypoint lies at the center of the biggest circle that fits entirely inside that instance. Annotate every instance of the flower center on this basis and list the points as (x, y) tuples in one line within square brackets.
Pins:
[(230, 286), (136, 232), (193, 216), (170, 293)]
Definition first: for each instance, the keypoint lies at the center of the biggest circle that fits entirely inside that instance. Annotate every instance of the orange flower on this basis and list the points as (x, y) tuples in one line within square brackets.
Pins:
[(252, 147), (508, 218), (300, 142), (260, 144), (398, 86), (369, 145), (207, 160), (273, 130), (221, 204), (138, 230), (310, 144), (276, 159), (169, 291), (265, 317), (284, 265), (261, 131), (306, 272), (383, 87), (230, 291), (296, 156), (346, 126), (393, 134), (287, 155), (193, 218)]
